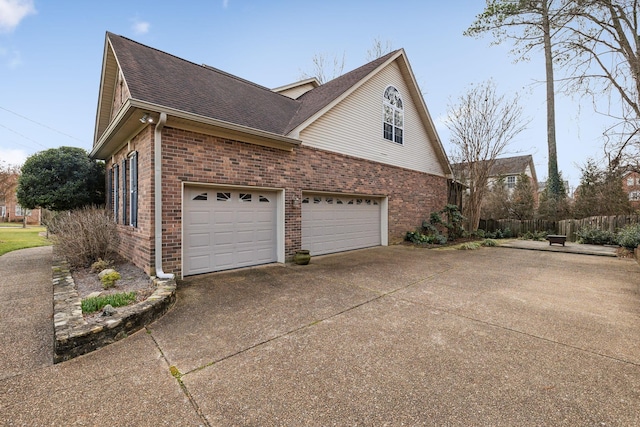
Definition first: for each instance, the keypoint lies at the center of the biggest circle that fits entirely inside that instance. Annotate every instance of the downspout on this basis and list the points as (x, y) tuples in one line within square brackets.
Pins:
[(157, 166)]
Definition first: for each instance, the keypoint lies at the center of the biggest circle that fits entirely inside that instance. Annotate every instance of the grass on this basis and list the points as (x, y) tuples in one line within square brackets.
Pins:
[(13, 238), (90, 305)]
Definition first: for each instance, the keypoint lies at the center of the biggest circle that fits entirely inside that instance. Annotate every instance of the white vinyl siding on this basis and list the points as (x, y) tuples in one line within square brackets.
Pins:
[(353, 127)]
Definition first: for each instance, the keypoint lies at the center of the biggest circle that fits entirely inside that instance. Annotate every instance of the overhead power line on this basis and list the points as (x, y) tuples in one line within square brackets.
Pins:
[(40, 124), (24, 136)]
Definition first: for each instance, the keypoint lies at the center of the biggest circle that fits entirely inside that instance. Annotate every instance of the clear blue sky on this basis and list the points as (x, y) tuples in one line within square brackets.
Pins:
[(51, 57)]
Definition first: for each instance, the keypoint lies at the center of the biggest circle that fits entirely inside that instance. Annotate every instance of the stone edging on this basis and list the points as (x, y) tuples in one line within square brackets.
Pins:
[(73, 336)]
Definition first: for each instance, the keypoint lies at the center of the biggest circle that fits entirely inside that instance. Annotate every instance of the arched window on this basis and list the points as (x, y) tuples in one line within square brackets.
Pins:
[(393, 126)]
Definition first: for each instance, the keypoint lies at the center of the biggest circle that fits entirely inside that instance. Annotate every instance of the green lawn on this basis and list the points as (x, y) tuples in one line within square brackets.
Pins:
[(14, 238)]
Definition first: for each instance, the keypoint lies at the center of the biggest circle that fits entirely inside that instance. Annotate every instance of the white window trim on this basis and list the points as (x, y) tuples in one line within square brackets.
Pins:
[(133, 197), (394, 109)]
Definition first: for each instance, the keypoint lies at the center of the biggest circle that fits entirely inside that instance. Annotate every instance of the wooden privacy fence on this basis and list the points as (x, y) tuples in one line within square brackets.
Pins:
[(568, 227), (518, 227)]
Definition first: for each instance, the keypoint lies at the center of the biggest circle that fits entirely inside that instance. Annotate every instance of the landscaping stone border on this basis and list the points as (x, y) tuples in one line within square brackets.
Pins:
[(73, 336)]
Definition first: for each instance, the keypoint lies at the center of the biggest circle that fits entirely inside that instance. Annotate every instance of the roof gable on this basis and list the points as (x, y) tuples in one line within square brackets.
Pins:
[(321, 97)]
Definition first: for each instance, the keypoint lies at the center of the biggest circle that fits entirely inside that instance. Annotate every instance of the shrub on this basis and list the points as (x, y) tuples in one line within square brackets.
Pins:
[(479, 233), (536, 235), (629, 237), (109, 280), (469, 246), (100, 265), (86, 235), (423, 239), (489, 242), (593, 236), (89, 305)]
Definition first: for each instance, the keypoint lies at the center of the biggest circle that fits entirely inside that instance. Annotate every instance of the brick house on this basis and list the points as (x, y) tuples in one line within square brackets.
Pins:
[(10, 209), (244, 175), (631, 186)]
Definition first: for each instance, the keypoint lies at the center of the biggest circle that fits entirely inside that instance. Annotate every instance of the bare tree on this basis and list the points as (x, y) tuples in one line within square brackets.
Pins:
[(604, 37), (8, 180), (379, 49), (325, 69), (482, 124)]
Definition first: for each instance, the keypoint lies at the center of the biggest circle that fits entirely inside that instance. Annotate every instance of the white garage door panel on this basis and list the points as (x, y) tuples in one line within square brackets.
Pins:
[(226, 229), (338, 223)]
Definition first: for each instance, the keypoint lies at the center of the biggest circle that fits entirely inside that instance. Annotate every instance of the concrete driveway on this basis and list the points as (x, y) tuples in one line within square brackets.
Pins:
[(384, 336)]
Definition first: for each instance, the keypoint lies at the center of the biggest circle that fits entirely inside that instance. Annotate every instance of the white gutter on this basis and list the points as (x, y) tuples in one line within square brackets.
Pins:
[(157, 166)]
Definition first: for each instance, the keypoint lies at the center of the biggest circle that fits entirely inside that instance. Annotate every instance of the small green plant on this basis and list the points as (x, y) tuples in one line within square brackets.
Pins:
[(100, 265), (489, 243), (629, 237), (93, 304), (109, 280), (594, 236), (469, 246), (535, 235), (423, 239)]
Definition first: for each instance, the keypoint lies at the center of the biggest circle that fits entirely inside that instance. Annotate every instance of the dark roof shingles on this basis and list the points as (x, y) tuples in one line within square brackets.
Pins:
[(503, 166), (166, 80), (160, 78)]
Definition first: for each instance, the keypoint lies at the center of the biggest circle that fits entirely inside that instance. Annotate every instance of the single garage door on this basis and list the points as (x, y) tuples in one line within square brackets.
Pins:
[(226, 229), (340, 223)]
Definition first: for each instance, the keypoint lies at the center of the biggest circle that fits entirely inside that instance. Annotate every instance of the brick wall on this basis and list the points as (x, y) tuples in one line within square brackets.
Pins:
[(192, 157), (631, 183), (136, 243), (197, 158)]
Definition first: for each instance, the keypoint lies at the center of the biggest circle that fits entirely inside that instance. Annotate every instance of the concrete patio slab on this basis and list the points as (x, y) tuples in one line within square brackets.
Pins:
[(569, 247)]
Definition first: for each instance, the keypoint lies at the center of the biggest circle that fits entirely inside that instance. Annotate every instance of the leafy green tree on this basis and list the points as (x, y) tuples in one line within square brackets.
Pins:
[(61, 179), (600, 193), (523, 199), (552, 206)]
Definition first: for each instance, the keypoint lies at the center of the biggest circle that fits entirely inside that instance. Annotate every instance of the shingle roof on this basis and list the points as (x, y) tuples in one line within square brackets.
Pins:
[(160, 78), (502, 166), (317, 98)]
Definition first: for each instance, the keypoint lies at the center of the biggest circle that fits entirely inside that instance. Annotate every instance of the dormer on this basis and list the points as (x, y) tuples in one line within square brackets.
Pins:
[(297, 89)]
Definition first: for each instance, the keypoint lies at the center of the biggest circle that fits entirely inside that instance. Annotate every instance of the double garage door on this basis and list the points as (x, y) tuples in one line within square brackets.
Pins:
[(225, 229), (335, 223)]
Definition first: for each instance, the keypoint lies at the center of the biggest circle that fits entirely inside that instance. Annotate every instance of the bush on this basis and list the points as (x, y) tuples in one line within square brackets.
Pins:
[(423, 239), (100, 265), (109, 280), (489, 242), (86, 235), (469, 246), (629, 237), (594, 236), (536, 235)]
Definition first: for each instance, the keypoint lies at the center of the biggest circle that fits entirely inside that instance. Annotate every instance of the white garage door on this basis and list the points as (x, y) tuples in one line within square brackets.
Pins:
[(226, 229), (339, 223)]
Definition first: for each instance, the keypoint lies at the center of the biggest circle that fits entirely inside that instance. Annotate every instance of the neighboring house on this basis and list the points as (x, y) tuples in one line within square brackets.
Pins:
[(631, 186), (10, 209), (507, 168), (207, 171)]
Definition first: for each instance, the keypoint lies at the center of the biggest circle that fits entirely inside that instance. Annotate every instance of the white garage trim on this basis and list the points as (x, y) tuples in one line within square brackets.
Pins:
[(336, 222), (278, 193)]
